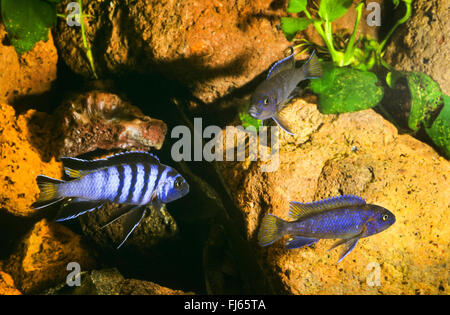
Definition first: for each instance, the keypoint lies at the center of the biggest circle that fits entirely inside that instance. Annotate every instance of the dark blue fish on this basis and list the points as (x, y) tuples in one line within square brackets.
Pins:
[(280, 86), (348, 218), (135, 179)]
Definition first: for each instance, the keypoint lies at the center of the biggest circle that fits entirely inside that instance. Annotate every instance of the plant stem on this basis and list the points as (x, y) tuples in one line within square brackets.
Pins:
[(85, 43), (348, 55), (401, 21), (326, 35)]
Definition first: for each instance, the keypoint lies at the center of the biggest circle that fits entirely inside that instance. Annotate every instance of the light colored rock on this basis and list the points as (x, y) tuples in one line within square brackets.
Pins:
[(362, 154)]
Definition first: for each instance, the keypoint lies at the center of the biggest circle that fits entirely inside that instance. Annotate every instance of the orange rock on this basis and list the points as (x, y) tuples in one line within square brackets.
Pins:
[(7, 285), (21, 141), (29, 74), (41, 259)]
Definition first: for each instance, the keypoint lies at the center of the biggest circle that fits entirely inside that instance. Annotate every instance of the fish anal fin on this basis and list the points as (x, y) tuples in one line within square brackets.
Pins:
[(299, 241), (284, 64), (298, 210)]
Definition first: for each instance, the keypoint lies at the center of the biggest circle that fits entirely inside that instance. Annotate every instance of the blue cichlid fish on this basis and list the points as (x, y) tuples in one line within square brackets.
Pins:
[(135, 179), (348, 218), (280, 86)]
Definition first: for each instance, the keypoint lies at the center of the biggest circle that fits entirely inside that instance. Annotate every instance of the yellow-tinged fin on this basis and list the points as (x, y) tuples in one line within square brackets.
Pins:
[(72, 173), (49, 192), (298, 210), (272, 229)]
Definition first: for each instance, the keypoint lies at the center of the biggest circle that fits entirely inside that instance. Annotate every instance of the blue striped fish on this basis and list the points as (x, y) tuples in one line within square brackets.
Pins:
[(347, 218), (134, 179)]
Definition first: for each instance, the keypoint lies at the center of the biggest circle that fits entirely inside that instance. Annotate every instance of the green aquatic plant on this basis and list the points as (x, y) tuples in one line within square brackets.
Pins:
[(346, 53), (348, 85), (363, 53), (29, 21), (430, 108), (343, 90)]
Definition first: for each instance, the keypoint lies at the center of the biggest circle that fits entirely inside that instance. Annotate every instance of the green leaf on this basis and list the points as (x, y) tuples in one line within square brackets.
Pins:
[(331, 10), (248, 120), (345, 89), (392, 78), (291, 26), (27, 22), (440, 130), (426, 99), (296, 6), (396, 3)]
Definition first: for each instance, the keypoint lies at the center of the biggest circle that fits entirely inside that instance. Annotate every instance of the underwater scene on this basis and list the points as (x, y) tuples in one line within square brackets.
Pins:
[(224, 147)]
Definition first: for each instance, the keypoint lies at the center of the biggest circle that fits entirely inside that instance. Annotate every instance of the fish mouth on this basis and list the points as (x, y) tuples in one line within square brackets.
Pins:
[(253, 111)]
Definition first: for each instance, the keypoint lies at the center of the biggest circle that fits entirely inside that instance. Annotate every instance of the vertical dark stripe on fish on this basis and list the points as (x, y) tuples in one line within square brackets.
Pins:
[(121, 171), (133, 183), (147, 171), (105, 182), (158, 177)]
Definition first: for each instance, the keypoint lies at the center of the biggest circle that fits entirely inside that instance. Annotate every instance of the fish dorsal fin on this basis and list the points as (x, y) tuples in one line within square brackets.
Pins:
[(298, 210), (312, 68), (284, 64), (75, 167), (74, 173)]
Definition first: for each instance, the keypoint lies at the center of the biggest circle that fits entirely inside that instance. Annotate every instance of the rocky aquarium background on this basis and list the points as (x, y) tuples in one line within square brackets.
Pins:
[(160, 64)]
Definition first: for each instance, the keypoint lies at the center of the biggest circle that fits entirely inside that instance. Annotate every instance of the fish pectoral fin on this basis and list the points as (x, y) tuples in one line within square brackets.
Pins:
[(76, 207), (348, 245), (283, 123), (284, 64), (121, 212), (131, 221), (297, 92), (299, 241)]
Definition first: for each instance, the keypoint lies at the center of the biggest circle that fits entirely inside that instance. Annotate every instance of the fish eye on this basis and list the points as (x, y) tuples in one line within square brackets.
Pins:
[(385, 217), (178, 182), (266, 101)]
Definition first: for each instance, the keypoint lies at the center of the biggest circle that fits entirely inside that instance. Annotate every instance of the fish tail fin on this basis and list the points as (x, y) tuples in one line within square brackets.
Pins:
[(272, 229), (49, 192), (312, 68)]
